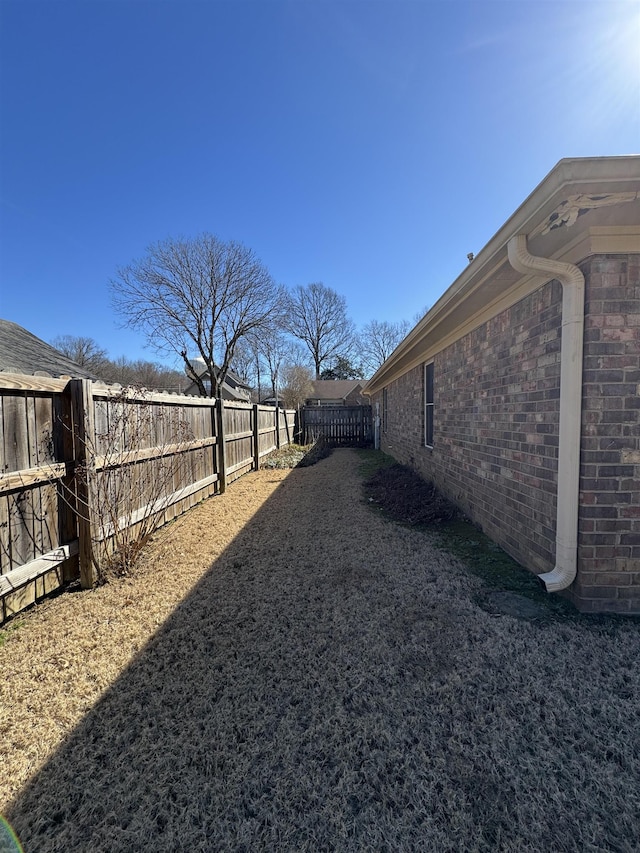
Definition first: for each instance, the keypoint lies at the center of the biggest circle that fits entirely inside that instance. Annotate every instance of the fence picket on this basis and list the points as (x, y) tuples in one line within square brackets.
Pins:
[(343, 426), (50, 428)]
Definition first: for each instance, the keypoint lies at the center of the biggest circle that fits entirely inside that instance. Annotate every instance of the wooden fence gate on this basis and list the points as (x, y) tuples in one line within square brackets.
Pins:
[(341, 426)]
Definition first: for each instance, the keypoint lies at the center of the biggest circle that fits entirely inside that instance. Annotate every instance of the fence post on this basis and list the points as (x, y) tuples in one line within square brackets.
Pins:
[(219, 428), (256, 438), (286, 426), (277, 427), (63, 451), (84, 441)]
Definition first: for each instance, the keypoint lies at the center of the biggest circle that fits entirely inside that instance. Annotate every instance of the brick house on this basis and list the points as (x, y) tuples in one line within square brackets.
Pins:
[(518, 393)]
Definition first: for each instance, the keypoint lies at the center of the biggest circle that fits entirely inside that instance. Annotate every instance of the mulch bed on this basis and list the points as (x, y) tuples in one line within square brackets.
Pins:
[(408, 498)]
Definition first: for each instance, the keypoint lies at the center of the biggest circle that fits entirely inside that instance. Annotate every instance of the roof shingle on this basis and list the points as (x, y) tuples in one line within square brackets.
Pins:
[(22, 352)]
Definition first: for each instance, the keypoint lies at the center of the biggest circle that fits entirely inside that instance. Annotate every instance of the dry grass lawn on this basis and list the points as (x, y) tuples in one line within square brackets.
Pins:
[(289, 670)]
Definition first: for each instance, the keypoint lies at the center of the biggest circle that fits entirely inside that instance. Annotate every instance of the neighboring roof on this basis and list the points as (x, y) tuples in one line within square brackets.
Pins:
[(584, 206), (232, 379), (334, 389), (22, 352), (233, 386)]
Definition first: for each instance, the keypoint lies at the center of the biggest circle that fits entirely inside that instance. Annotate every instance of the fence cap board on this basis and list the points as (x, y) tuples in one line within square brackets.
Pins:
[(29, 382), (206, 472), (140, 394)]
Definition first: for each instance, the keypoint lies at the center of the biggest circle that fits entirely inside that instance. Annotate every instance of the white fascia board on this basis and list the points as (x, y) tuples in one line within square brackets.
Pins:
[(592, 175)]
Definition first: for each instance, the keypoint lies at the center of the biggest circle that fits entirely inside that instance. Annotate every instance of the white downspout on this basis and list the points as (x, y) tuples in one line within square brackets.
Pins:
[(572, 282)]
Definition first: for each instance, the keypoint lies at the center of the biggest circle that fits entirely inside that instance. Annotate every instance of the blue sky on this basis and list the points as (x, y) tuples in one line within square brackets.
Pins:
[(366, 144)]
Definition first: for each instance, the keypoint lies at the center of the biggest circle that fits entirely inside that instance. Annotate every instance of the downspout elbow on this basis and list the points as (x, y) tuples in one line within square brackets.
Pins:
[(572, 281)]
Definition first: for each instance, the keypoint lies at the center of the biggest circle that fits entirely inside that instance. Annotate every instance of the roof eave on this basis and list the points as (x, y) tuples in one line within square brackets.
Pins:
[(595, 172)]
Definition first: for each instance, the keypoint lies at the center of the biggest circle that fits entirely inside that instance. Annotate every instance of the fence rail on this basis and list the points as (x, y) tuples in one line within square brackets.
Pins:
[(68, 448), (344, 426)]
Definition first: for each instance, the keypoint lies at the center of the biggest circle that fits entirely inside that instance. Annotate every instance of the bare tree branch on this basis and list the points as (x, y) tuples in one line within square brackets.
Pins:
[(298, 385), (378, 340), (84, 351), (198, 298), (317, 316)]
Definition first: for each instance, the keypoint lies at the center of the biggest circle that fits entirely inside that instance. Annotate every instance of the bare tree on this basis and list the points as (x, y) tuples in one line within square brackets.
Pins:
[(378, 340), (317, 316), (244, 361), (275, 350), (142, 374), (197, 298), (419, 315), (84, 351), (297, 385), (297, 354)]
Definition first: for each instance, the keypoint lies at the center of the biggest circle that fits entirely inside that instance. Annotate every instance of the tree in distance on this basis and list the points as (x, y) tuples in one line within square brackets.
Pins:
[(317, 316), (198, 298), (84, 351), (262, 356), (276, 352), (343, 369), (123, 371), (244, 360), (419, 315), (143, 374), (297, 386), (378, 340)]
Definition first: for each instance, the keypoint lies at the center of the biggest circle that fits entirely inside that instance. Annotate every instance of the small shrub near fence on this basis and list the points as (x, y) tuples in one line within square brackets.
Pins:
[(88, 472), (140, 462)]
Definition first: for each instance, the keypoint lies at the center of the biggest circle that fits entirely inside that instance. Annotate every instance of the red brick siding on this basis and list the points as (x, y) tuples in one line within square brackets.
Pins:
[(495, 425), (609, 523), (496, 431)]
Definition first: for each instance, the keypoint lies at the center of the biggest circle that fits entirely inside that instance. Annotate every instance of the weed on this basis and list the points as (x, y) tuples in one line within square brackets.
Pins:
[(317, 451), (372, 461), (285, 457), (8, 630)]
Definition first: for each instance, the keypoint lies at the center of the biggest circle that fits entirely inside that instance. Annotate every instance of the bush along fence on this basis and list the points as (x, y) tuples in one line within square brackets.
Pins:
[(89, 471)]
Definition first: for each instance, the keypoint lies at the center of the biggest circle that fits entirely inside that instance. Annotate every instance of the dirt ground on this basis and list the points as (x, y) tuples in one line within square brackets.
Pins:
[(290, 670)]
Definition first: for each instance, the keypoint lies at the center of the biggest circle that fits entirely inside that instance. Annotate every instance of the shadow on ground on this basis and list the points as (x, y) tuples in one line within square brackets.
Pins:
[(331, 685)]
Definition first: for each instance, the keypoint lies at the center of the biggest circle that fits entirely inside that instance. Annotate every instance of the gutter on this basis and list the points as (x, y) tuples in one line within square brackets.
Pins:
[(572, 280), (585, 175)]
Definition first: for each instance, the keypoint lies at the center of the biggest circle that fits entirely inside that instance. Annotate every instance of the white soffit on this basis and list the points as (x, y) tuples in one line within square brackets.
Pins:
[(575, 195)]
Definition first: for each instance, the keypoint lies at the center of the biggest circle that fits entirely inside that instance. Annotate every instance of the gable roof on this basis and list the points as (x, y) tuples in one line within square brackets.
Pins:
[(334, 389), (234, 381), (22, 352), (235, 387)]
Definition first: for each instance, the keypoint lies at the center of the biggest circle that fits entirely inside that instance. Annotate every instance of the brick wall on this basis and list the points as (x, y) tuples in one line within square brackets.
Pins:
[(496, 421), (609, 523), (495, 425)]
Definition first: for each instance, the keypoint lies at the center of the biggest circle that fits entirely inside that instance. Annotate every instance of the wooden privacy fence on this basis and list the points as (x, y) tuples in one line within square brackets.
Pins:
[(250, 433), (81, 462), (346, 426)]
